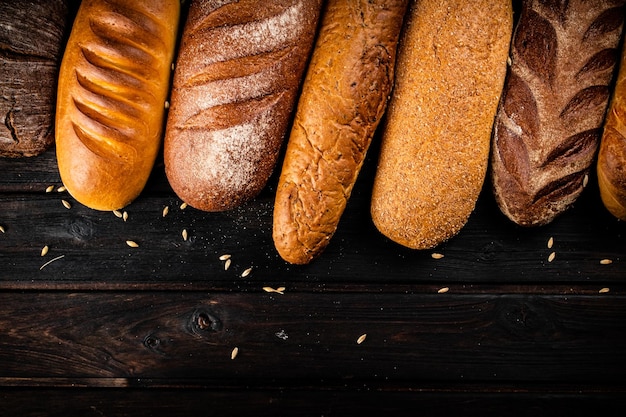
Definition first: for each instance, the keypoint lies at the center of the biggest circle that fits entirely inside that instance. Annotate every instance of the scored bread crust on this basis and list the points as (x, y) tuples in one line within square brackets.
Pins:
[(31, 35), (611, 164), (343, 98), (113, 85), (435, 142), (238, 72), (550, 118)]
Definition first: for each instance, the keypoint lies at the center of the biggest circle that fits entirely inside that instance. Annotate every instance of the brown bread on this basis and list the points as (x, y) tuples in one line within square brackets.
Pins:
[(113, 85), (435, 144), (237, 76), (32, 35), (550, 119), (611, 165), (343, 99)]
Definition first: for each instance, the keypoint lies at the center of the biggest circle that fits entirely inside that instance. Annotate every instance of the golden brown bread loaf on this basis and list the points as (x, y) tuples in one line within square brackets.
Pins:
[(550, 118), (237, 76), (611, 164), (113, 85), (343, 99), (32, 35), (435, 142)]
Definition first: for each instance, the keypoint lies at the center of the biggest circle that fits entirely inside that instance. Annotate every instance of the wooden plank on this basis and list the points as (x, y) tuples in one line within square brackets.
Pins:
[(423, 338), (296, 401)]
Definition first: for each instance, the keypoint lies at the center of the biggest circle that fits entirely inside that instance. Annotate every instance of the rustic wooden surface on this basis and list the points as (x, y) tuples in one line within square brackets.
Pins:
[(151, 330)]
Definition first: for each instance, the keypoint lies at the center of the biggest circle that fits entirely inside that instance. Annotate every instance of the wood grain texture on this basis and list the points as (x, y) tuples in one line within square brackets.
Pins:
[(426, 338), (548, 125), (32, 36)]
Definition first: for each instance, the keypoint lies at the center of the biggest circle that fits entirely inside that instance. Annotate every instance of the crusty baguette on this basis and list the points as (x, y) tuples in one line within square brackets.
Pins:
[(555, 98), (113, 85), (435, 142), (32, 36), (611, 164), (237, 76), (343, 99)]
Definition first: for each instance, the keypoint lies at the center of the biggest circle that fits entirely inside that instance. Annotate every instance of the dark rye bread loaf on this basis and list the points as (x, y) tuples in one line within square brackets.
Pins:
[(237, 76), (343, 100), (31, 42), (550, 117), (611, 165)]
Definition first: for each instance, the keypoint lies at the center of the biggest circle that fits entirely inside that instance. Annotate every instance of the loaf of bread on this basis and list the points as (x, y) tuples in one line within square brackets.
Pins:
[(549, 121), (238, 72), (343, 98), (436, 138), (611, 164), (32, 35), (112, 89)]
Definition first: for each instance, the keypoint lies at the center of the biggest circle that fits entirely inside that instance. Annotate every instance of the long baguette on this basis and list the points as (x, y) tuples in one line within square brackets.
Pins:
[(435, 144), (343, 99), (113, 85), (549, 122), (611, 164), (237, 76)]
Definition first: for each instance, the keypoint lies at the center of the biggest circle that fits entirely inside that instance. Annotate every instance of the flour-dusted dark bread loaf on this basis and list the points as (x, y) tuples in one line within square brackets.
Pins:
[(343, 99), (237, 76), (611, 164), (435, 142), (32, 35), (113, 85), (550, 118)]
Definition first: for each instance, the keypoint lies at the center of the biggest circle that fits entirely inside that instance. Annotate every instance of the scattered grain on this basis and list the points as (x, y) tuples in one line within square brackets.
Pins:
[(50, 189), (183, 206), (66, 204), (437, 255), (132, 243), (50, 261), (508, 61), (2, 229), (246, 272), (166, 210), (279, 290), (44, 250), (227, 264), (185, 235), (234, 353), (117, 213), (585, 180), (361, 339), (224, 257), (604, 290), (606, 262), (167, 104), (550, 242), (61, 189), (551, 257), (125, 215), (443, 290)]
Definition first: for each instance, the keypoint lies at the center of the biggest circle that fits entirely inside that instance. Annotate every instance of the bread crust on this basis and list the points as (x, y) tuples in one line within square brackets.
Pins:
[(343, 99), (32, 36), (435, 142), (555, 98), (611, 164), (113, 85), (238, 73)]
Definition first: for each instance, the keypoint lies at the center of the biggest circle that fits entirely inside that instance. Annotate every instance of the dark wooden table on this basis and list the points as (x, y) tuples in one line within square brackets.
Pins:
[(95, 327)]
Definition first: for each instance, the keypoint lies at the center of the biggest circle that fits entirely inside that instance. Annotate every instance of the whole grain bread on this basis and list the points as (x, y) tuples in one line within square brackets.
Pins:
[(435, 142), (32, 35), (550, 118), (237, 76), (113, 85), (343, 100), (611, 164)]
